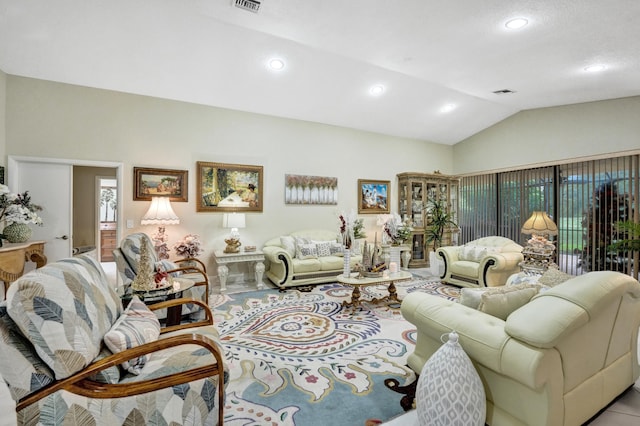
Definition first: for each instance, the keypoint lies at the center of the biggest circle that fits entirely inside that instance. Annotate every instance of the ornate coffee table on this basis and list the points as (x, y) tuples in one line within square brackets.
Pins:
[(356, 282)]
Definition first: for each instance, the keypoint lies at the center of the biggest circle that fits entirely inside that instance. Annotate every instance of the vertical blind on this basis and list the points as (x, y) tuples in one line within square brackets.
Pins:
[(586, 200)]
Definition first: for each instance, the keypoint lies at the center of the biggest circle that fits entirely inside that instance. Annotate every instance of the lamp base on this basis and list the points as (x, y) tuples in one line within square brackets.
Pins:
[(233, 245)]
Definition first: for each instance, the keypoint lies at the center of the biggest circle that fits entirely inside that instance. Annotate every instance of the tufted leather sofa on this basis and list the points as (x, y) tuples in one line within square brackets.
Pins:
[(485, 262), (557, 360)]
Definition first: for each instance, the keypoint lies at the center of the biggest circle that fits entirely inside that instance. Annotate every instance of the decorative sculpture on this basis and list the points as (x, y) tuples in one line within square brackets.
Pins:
[(144, 280)]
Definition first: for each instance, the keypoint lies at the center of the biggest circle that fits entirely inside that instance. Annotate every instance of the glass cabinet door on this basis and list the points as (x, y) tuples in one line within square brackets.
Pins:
[(417, 194)]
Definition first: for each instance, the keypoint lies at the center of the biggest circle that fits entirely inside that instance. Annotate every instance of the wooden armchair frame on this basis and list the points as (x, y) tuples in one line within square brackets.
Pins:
[(80, 384)]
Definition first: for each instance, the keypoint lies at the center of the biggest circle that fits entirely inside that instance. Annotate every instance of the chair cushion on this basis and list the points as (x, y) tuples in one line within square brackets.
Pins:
[(64, 309), (135, 327), (21, 368)]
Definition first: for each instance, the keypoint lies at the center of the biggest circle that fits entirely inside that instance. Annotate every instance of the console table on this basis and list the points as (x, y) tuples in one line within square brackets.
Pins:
[(223, 259), (13, 257)]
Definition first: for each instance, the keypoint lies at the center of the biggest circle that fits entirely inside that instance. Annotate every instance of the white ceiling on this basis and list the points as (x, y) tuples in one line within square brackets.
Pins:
[(427, 53)]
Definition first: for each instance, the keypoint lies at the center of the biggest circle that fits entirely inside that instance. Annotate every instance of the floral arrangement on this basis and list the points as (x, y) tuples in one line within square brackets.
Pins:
[(351, 228), (394, 229), (18, 208), (189, 246)]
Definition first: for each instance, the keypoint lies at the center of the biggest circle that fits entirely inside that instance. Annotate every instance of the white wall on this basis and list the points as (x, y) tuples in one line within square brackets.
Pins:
[(3, 97), (47, 119), (552, 134)]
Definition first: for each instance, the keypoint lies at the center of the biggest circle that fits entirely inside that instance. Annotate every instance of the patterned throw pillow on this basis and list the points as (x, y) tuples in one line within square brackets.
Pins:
[(306, 251), (553, 276), (336, 249), (136, 326), (64, 309), (323, 248)]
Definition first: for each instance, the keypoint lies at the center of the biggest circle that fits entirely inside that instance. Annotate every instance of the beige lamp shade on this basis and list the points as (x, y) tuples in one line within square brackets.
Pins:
[(539, 224), (160, 213)]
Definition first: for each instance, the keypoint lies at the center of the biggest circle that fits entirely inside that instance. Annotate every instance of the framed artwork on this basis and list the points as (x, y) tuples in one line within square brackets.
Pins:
[(149, 183), (229, 187), (373, 196), (301, 189)]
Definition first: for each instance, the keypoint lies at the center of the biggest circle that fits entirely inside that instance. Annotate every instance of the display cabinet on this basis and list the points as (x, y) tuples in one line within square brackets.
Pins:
[(414, 192)]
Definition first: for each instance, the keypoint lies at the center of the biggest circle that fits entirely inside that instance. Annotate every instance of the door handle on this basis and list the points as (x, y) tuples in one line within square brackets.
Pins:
[(64, 237)]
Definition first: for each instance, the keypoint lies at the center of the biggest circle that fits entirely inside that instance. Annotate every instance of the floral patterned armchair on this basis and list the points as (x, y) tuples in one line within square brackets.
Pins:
[(128, 255), (76, 357)]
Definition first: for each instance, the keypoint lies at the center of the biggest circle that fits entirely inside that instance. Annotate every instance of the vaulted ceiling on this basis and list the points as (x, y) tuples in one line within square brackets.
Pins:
[(425, 54)]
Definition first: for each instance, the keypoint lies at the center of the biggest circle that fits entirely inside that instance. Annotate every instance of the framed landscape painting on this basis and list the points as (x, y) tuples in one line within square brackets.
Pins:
[(373, 196), (229, 187), (169, 183)]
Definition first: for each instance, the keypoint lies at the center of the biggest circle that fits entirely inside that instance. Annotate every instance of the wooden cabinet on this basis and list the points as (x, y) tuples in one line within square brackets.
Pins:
[(414, 192), (108, 241)]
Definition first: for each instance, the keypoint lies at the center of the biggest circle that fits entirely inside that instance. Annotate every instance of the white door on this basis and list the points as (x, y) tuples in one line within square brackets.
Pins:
[(50, 186)]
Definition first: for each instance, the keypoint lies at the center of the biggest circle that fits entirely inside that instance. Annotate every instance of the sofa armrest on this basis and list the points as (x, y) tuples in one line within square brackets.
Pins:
[(506, 260), (449, 253), (482, 337), (280, 264)]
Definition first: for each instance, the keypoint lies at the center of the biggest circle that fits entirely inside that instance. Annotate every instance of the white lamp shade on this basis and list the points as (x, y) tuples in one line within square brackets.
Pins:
[(233, 220), (160, 213), (539, 224)]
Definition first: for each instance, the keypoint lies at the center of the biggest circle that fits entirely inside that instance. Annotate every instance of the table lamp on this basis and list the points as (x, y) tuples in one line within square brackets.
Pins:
[(539, 251), (233, 221), (160, 213), (539, 224)]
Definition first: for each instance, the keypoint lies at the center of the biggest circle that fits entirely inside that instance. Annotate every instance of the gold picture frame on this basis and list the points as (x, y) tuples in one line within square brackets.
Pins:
[(373, 196), (229, 187), (149, 182)]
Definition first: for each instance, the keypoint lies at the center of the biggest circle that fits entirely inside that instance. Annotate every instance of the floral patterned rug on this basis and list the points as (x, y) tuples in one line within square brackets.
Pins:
[(300, 358)]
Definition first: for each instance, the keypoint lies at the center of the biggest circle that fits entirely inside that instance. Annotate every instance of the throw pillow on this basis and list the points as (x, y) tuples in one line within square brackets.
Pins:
[(289, 244), (136, 326), (471, 297), (552, 277), (306, 251), (337, 249), (504, 300), (323, 248)]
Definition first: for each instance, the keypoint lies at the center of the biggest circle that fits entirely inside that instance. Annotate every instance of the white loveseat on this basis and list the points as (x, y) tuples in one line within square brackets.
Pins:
[(485, 262), (290, 266)]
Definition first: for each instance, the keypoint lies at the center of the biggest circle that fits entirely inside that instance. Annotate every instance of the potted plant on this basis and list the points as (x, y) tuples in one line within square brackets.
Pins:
[(630, 243), (438, 220)]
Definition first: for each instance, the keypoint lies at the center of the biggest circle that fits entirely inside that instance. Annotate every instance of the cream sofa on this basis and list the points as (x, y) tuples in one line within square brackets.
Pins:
[(485, 262), (286, 269), (556, 360)]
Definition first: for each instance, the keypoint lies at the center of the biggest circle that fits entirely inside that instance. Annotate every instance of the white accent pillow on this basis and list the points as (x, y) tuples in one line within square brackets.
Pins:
[(306, 251), (136, 326)]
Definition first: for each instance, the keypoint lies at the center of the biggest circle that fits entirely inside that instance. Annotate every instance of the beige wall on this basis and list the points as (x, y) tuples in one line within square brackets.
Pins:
[(552, 134), (47, 119)]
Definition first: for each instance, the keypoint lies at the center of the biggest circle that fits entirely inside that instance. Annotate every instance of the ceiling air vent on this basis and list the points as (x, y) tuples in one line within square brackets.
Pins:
[(503, 92), (250, 5)]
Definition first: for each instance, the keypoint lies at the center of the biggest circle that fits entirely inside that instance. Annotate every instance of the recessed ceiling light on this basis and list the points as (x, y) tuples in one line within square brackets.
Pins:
[(595, 68), (276, 64), (376, 90), (448, 108), (516, 23)]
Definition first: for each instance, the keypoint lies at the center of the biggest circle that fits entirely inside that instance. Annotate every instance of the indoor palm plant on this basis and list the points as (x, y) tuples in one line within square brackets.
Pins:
[(439, 219)]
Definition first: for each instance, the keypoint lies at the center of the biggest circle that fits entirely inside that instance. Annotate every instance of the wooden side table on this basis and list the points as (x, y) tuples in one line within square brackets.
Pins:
[(223, 259), (13, 257)]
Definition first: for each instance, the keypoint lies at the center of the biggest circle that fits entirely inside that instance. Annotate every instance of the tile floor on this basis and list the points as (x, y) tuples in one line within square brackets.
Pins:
[(624, 411)]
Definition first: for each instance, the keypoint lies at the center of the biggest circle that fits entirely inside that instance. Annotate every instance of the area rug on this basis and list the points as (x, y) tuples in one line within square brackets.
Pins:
[(301, 358)]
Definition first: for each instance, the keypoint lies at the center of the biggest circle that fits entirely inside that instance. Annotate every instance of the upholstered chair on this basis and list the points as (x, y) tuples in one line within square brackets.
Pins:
[(485, 262), (128, 255)]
